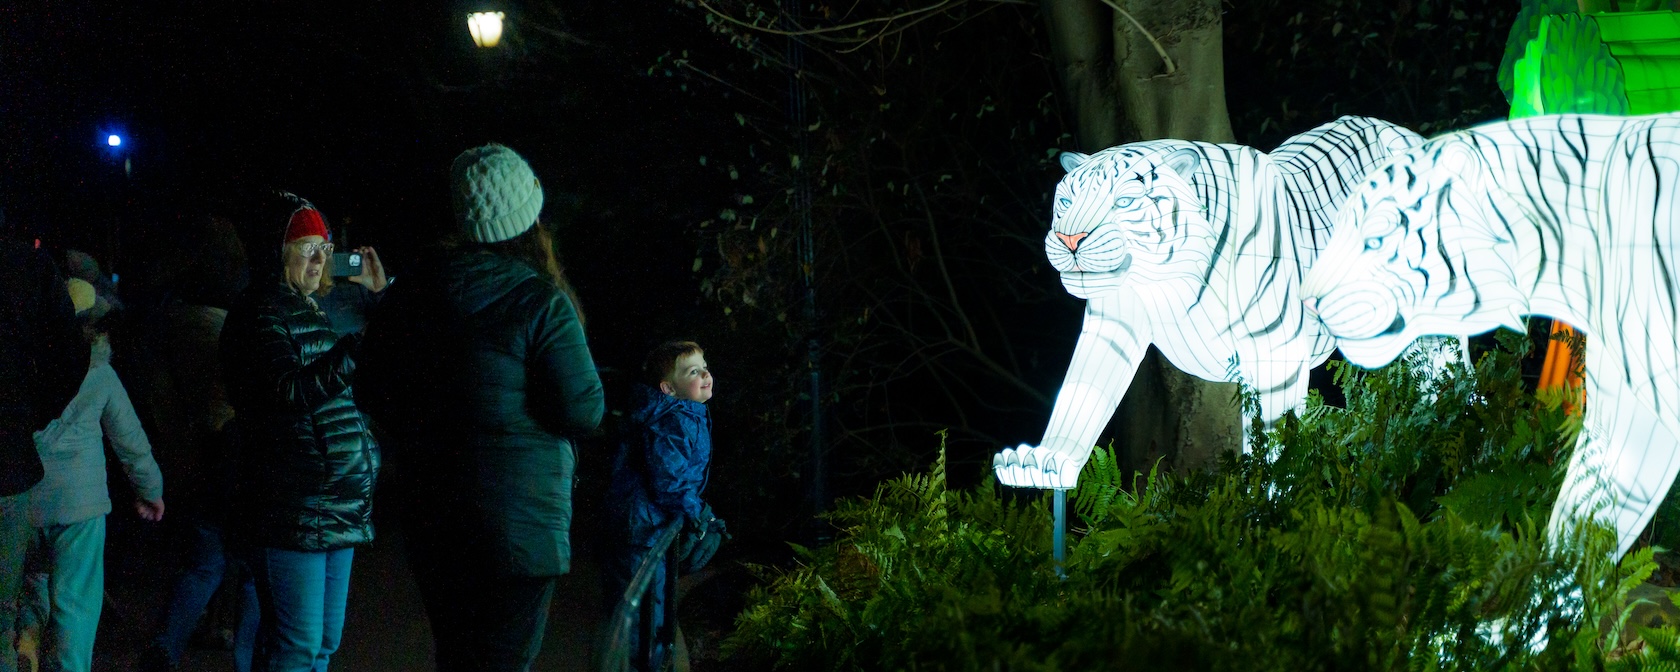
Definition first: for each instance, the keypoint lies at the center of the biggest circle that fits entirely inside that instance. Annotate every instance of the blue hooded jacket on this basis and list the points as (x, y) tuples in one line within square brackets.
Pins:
[(664, 454)]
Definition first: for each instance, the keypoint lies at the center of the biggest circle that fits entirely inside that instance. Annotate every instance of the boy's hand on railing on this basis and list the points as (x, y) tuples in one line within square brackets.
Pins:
[(694, 529), (701, 537), (712, 534)]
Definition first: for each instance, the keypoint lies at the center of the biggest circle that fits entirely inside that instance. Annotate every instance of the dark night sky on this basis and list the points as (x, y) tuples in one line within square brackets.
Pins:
[(210, 98), (359, 107)]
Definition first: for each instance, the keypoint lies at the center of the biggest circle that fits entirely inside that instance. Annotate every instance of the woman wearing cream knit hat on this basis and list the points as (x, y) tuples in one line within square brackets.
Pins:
[(480, 369)]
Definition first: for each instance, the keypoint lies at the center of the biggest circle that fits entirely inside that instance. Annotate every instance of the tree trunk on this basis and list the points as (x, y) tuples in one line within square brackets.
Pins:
[(1119, 89)]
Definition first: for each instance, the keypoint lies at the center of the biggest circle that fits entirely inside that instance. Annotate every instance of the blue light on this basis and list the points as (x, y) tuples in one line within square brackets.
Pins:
[(114, 140)]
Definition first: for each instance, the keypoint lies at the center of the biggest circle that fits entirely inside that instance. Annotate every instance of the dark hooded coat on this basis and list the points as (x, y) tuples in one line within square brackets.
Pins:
[(478, 367)]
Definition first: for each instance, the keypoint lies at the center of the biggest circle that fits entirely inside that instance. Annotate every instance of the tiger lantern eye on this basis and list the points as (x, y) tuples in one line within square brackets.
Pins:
[(1373, 243), (1124, 201)]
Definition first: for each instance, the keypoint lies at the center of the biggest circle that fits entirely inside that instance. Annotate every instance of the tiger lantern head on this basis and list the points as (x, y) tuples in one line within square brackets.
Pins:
[(1392, 273), (1129, 214)]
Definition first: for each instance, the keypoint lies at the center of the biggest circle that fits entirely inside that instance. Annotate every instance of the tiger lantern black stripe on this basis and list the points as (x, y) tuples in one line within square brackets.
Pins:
[(1198, 248), (1570, 216)]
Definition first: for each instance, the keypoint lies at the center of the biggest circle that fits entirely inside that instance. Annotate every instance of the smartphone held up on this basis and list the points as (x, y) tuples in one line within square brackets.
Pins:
[(346, 264)]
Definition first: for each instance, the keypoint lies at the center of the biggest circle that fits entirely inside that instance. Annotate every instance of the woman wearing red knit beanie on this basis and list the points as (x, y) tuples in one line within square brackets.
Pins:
[(304, 494)]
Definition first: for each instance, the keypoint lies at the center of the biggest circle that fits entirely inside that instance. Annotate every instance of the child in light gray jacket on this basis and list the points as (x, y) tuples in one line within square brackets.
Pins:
[(68, 507)]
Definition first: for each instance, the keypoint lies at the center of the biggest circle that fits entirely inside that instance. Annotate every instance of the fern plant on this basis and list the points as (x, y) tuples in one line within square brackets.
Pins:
[(1661, 653), (1402, 531)]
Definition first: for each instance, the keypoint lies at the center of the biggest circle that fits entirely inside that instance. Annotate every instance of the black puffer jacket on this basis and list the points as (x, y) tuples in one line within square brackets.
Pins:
[(479, 368), (307, 461)]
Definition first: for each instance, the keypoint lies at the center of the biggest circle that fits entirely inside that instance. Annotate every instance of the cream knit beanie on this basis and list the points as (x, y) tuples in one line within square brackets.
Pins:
[(495, 194)]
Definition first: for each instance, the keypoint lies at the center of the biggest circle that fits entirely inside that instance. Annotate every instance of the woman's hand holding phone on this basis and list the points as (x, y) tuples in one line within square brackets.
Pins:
[(373, 272)]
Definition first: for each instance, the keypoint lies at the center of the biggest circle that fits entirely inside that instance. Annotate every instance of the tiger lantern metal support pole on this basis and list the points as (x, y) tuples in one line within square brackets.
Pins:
[(1058, 508)]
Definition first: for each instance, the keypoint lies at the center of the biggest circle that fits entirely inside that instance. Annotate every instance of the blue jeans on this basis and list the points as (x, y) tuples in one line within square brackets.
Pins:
[(302, 596), (75, 589), (14, 542), (207, 564)]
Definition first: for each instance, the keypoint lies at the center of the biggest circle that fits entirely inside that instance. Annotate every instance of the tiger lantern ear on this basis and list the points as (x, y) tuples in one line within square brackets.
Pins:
[(1458, 158), (1182, 161), (1072, 160)]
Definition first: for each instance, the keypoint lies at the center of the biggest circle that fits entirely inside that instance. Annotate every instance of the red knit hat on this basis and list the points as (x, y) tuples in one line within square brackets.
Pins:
[(306, 221)]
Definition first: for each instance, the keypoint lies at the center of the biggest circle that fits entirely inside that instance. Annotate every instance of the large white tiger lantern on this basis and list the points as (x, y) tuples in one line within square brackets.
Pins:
[(1198, 248), (1573, 217)]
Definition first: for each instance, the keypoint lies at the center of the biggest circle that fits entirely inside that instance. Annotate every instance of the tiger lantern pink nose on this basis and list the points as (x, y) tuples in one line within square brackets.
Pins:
[(1072, 242)]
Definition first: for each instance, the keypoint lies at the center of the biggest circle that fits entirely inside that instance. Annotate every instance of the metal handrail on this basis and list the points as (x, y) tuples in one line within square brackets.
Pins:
[(617, 656)]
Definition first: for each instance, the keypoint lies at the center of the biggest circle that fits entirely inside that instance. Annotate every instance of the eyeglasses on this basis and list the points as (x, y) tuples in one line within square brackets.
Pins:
[(309, 249)]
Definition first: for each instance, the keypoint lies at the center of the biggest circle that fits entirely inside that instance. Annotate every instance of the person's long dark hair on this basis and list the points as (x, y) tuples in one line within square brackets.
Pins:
[(536, 248)]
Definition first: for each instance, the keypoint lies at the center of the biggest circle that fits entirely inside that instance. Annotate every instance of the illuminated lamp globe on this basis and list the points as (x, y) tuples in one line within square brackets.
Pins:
[(113, 140), (486, 28)]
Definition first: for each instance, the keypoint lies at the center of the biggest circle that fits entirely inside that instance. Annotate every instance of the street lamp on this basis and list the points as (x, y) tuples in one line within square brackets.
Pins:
[(486, 28), (116, 146)]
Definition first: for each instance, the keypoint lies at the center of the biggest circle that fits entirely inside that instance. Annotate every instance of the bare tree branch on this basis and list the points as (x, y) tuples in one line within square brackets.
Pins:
[(684, 64), (831, 29), (888, 28), (1151, 36), (945, 273)]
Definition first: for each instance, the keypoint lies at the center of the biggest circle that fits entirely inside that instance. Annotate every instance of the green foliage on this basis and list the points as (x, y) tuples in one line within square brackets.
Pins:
[(1567, 68), (1404, 531), (1661, 654)]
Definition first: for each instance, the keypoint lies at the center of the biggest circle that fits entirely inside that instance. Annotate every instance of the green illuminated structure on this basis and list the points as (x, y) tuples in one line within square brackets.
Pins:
[(1590, 57), (1598, 62), (1567, 69)]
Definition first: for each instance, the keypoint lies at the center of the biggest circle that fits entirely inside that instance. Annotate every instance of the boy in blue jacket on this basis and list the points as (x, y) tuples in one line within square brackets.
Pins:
[(663, 457)]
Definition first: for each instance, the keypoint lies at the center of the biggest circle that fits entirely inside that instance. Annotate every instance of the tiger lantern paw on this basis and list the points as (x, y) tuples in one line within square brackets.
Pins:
[(1026, 466)]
